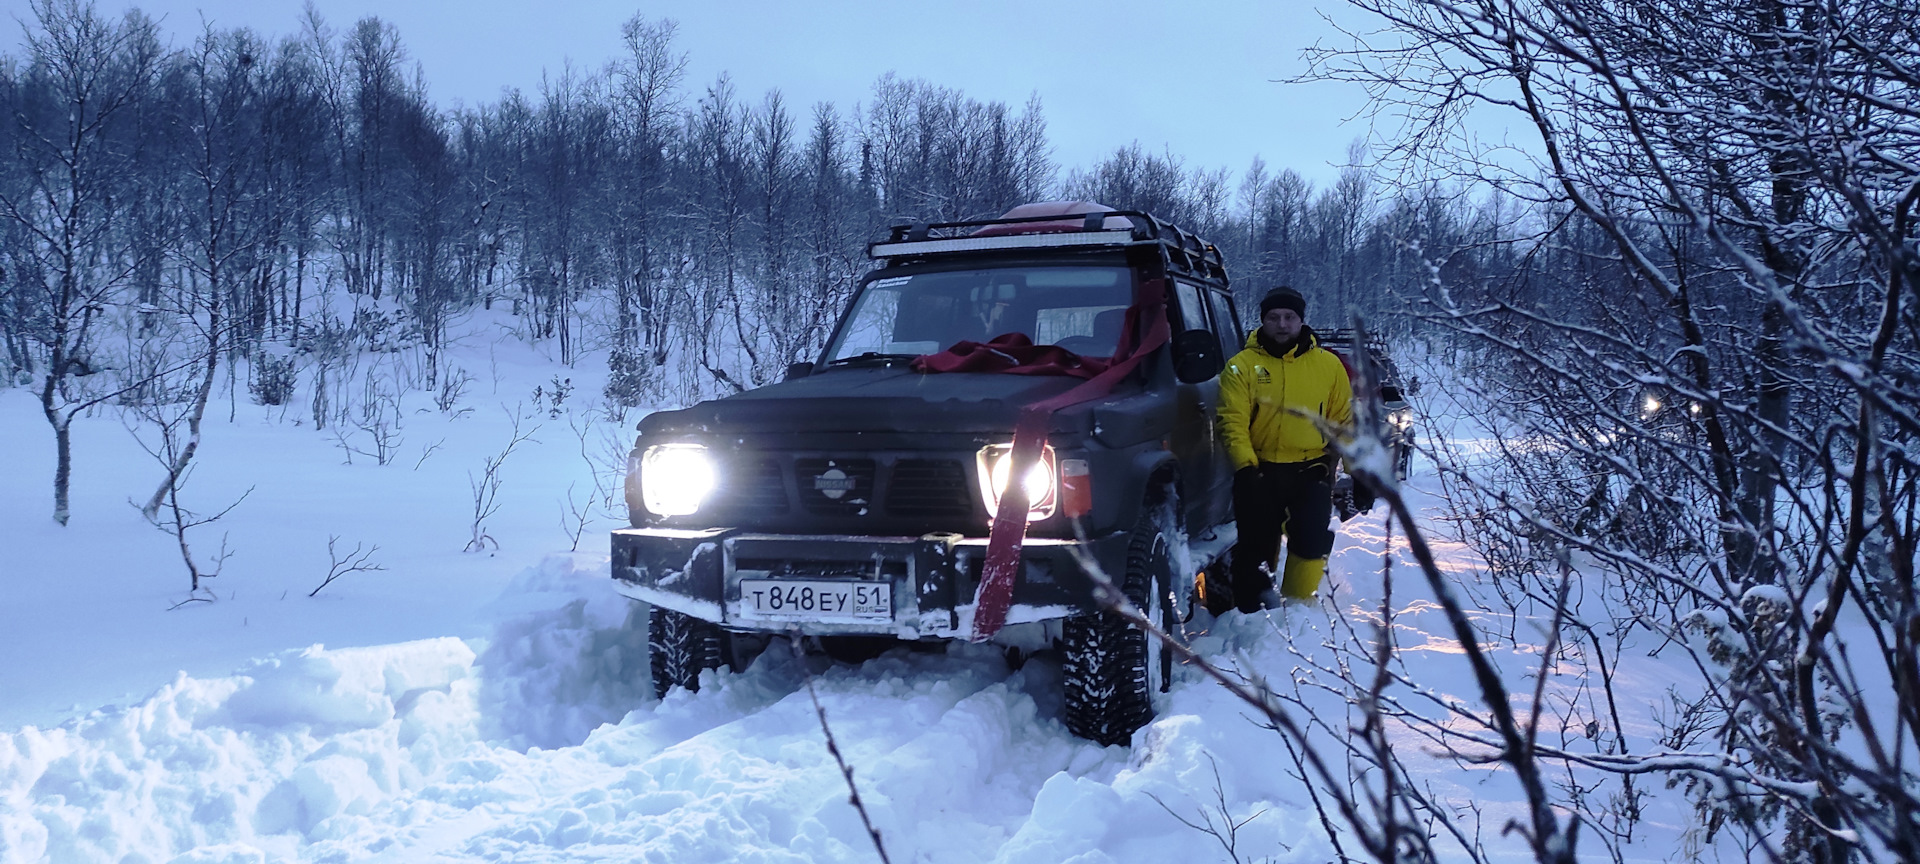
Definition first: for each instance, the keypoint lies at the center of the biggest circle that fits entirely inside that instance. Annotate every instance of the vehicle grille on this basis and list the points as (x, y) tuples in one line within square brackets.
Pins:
[(755, 485), (817, 482), (929, 487)]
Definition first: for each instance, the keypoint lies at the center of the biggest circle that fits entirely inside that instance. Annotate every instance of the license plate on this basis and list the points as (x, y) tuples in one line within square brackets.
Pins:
[(817, 599)]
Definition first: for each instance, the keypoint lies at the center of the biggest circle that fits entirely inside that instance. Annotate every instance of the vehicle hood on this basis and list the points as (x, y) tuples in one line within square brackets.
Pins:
[(886, 398)]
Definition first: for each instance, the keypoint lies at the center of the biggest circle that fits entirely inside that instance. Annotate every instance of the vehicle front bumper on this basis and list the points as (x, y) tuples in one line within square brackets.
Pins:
[(933, 576)]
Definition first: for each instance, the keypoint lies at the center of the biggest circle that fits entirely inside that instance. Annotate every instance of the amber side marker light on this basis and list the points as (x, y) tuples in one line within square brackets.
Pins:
[(1076, 488)]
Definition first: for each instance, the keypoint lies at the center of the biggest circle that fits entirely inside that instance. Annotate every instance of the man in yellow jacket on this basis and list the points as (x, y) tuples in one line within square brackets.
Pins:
[(1278, 400)]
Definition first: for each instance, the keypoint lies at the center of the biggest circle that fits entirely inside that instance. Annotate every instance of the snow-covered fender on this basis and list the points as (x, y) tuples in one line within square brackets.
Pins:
[(1151, 471)]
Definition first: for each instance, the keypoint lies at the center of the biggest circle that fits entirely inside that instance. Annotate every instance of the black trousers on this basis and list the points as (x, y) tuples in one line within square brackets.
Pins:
[(1291, 498)]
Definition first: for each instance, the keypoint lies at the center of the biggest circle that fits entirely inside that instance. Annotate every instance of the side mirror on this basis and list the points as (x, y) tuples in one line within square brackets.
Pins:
[(1196, 356), (799, 370)]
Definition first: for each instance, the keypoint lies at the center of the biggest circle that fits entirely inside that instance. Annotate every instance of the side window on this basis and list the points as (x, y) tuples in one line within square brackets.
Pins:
[(1193, 310), (1227, 324)]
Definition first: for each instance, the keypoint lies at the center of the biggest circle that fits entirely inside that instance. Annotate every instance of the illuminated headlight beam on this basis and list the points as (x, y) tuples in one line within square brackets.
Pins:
[(996, 462), (675, 479)]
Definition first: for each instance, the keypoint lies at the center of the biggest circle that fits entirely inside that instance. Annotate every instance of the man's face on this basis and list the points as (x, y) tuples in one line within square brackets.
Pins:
[(1280, 324)]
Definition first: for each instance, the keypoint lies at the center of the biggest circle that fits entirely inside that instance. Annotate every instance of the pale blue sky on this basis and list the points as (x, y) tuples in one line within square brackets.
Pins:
[(1196, 78)]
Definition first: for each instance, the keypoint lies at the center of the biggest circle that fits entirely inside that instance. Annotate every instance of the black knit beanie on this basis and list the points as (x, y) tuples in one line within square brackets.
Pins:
[(1284, 298)]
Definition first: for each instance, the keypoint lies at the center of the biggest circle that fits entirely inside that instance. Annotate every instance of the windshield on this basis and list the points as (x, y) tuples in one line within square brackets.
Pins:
[(1080, 309)]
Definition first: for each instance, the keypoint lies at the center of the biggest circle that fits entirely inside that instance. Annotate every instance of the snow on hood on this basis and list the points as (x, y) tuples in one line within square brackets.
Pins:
[(872, 399)]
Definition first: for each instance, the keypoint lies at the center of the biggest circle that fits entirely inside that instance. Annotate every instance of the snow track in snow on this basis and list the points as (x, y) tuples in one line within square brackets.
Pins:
[(543, 745)]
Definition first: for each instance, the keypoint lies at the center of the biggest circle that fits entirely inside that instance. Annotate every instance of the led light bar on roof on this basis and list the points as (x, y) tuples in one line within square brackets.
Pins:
[(1015, 241)]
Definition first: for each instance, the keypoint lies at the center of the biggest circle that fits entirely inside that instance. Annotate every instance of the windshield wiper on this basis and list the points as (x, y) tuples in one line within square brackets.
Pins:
[(870, 357)]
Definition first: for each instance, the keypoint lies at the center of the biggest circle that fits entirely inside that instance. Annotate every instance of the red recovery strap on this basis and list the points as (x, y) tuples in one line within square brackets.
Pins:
[(1013, 354), (1030, 432)]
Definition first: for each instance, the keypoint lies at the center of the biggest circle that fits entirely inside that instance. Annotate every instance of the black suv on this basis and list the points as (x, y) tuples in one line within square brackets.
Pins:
[(856, 498), (1389, 393)]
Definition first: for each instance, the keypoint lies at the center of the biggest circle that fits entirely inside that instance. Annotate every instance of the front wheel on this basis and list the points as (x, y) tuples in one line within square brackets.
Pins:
[(679, 647), (1112, 668)]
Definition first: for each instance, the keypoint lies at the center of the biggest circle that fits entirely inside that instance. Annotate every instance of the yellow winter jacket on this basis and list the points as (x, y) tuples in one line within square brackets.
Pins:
[(1268, 404)]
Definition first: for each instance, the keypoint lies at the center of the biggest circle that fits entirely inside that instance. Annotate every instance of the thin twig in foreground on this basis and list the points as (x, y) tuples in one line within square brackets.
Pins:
[(1228, 831), (833, 747)]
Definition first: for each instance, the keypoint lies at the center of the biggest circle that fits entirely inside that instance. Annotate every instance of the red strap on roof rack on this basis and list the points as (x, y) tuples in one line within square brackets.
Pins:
[(1087, 210)]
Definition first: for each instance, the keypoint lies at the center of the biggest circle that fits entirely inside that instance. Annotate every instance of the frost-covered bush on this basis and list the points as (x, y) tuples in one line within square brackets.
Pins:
[(272, 378), (626, 377), (376, 330), (324, 336)]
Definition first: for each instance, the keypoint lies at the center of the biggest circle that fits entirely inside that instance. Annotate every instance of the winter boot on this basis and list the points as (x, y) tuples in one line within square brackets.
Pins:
[(1250, 580), (1248, 591), (1302, 577)]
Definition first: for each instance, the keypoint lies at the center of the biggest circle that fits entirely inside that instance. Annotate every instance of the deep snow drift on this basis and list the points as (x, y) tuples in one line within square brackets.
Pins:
[(404, 751)]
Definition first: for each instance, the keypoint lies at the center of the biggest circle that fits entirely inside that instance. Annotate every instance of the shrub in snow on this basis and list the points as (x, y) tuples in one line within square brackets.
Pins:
[(451, 386), (271, 379), (1721, 644), (377, 330), (626, 377), (552, 396)]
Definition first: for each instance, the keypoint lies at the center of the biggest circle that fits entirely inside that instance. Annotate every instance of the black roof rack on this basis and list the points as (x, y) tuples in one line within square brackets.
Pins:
[(1185, 249), (1343, 336)]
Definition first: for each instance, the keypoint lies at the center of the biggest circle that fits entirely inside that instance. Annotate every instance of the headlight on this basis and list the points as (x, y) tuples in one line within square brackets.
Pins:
[(996, 461), (1649, 406), (675, 478)]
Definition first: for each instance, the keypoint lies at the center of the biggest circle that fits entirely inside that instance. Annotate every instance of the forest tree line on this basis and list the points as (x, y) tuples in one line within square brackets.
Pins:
[(304, 189)]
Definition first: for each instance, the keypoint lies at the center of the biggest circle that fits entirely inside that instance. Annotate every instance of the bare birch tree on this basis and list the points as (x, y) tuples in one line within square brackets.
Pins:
[(83, 76), (1709, 362)]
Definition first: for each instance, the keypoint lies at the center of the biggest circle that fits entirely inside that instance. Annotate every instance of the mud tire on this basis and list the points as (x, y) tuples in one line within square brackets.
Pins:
[(1110, 669), (680, 647)]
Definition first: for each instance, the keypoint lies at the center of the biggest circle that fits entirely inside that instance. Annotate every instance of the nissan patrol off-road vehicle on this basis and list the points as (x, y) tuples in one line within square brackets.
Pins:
[(1074, 347)]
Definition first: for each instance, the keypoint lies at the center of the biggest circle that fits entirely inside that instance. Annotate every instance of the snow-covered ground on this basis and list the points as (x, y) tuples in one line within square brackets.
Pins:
[(495, 705)]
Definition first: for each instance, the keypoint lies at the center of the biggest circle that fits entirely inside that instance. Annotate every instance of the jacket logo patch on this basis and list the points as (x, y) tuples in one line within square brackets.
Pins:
[(1261, 375)]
